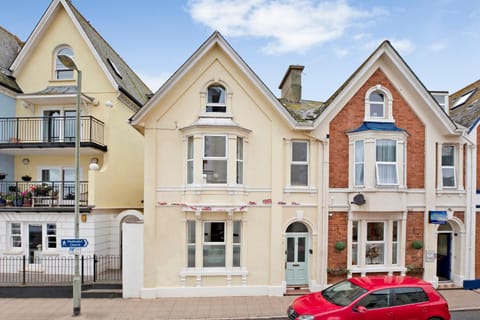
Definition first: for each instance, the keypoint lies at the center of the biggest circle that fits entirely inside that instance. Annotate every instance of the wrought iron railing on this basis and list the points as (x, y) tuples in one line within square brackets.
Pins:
[(58, 269), (50, 130), (41, 193)]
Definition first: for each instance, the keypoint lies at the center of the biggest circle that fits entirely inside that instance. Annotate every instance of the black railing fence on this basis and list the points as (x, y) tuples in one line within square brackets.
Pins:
[(47, 270), (53, 129), (41, 193)]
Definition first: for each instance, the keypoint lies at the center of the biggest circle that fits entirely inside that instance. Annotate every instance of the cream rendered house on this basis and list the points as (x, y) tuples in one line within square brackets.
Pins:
[(40, 138), (248, 194)]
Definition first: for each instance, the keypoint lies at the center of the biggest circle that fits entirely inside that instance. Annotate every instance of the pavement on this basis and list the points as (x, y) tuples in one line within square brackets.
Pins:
[(218, 308)]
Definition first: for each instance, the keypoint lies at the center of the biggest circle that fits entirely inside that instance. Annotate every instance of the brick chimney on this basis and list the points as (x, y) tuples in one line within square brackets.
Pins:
[(291, 84)]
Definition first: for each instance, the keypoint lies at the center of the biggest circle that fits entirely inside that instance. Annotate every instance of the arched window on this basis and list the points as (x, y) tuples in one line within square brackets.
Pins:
[(378, 104), (297, 227), (216, 99), (61, 71), (376, 100)]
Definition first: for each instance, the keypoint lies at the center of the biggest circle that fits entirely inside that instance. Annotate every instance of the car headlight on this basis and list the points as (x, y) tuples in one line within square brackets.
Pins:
[(305, 317)]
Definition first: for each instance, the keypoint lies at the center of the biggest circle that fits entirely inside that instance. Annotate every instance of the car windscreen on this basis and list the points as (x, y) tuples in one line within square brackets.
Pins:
[(343, 293)]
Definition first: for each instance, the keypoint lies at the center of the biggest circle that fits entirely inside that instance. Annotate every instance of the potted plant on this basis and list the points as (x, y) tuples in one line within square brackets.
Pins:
[(338, 271), (41, 189), (26, 178), (3, 175), (27, 198), (417, 245), (9, 199), (339, 245)]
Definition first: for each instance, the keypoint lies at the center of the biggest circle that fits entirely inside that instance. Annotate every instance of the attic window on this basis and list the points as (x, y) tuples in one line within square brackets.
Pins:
[(61, 71), (216, 99), (114, 67), (462, 99)]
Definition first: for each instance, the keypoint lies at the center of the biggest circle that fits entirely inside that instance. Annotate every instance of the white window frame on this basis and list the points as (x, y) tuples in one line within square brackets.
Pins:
[(378, 164), (191, 243), (299, 163), (237, 226), (387, 115), (58, 66), (190, 160), (240, 168), (216, 243), (449, 168), (359, 161), (12, 235), (213, 158), (49, 236), (220, 106), (390, 257)]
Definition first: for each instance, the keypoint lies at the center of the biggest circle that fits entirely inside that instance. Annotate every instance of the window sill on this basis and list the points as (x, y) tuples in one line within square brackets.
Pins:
[(13, 253), (205, 272), (376, 268), (300, 190)]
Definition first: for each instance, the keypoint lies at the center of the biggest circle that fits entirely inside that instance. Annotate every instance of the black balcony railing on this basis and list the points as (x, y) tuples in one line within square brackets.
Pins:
[(51, 131), (41, 193)]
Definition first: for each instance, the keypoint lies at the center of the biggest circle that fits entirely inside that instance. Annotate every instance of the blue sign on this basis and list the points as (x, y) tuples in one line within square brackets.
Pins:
[(74, 243), (437, 217)]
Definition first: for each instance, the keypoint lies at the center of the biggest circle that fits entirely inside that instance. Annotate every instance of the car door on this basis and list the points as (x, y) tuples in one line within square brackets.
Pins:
[(374, 306), (409, 303)]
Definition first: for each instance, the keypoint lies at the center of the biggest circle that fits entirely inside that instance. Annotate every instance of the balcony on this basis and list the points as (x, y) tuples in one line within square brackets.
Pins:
[(51, 132), (41, 194)]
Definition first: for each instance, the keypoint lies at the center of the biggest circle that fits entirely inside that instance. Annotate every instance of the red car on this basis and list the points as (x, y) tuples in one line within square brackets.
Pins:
[(372, 298)]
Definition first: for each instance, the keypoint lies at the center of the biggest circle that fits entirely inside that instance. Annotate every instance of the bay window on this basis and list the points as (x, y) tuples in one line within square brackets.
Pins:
[(359, 163), (215, 159), (386, 162), (239, 179), (190, 160), (213, 244), (375, 243)]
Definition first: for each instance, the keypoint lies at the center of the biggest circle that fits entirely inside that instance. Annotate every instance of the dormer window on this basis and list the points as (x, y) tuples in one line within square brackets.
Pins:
[(61, 71), (378, 105), (216, 99)]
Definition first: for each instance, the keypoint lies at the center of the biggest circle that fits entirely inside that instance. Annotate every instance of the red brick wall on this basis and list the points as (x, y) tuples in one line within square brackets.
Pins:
[(337, 231), (415, 231), (352, 116)]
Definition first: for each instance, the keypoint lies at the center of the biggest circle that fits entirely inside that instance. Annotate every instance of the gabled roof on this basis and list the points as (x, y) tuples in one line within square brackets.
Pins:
[(117, 71), (215, 39), (386, 49), (9, 47), (465, 105)]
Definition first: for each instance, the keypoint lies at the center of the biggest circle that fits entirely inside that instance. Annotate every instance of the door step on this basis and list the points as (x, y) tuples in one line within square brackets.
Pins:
[(445, 285), (297, 290)]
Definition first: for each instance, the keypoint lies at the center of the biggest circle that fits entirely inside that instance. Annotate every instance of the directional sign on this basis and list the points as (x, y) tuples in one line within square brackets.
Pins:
[(74, 243)]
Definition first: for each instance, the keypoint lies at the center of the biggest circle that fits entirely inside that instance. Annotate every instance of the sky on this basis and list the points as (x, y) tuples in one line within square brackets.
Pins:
[(439, 39)]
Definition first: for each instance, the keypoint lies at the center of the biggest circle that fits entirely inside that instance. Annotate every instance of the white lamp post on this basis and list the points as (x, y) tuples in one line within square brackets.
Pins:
[(69, 63)]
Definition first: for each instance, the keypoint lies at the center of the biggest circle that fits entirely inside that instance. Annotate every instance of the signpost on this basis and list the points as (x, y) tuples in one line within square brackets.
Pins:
[(74, 243)]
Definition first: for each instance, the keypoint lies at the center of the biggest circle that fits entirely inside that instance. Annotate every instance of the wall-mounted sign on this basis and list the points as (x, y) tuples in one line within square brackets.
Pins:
[(437, 217)]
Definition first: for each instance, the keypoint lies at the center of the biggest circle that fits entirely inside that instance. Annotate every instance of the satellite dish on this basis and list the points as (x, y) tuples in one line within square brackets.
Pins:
[(359, 199)]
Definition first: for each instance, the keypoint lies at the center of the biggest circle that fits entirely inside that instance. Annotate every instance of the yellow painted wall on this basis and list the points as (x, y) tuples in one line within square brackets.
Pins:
[(119, 183)]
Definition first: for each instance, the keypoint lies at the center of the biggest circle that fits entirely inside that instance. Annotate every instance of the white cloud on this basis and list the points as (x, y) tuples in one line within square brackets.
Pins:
[(154, 82), (289, 25), (438, 46), (339, 52), (403, 46)]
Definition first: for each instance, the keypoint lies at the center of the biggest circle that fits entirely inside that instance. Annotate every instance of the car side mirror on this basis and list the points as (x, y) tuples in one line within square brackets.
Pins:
[(360, 309)]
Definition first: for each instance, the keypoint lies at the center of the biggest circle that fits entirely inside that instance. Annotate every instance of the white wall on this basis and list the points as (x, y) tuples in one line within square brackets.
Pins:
[(132, 272)]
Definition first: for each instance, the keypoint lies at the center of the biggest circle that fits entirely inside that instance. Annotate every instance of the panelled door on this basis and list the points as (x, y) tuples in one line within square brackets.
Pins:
[(296, 259)]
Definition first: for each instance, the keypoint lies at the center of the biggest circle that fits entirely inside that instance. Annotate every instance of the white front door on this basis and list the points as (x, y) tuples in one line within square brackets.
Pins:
[(296, 259)]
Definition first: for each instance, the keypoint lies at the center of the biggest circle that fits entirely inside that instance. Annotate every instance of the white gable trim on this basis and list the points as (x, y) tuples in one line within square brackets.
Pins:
[(40, 29), (216, 38), (387, 50)]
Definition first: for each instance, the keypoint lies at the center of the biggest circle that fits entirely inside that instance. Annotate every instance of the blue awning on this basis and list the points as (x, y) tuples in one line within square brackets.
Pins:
[(377, 126)]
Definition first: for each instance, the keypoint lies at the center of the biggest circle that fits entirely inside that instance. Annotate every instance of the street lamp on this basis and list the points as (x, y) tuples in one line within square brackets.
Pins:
[(69, 63)]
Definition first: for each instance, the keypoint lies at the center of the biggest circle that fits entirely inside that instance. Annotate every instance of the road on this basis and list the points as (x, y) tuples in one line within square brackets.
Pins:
[(465, 315)]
